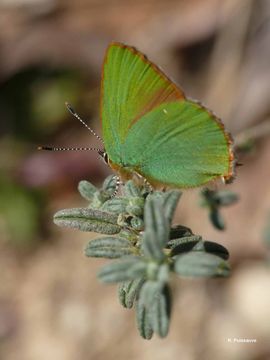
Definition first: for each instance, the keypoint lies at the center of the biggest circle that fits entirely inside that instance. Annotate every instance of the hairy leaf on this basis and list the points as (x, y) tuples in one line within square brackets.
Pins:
[(156, 231), (199, 264), (109, 247), (87, 190), (160, 312), (128, 292), (86, 219), (130, 268), (143, 321)]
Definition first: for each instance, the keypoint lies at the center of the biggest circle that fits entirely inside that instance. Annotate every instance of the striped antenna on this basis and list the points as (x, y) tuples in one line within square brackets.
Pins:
[(73, 112), (54, 148)]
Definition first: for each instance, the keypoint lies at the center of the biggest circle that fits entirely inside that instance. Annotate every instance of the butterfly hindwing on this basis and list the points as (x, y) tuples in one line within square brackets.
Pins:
[(178, 144)]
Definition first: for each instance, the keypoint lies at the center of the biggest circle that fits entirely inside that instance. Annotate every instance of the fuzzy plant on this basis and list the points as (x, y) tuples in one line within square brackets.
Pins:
[(145, 246)]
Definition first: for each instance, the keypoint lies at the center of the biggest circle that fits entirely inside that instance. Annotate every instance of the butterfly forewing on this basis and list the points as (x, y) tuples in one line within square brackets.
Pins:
[(131, 87)]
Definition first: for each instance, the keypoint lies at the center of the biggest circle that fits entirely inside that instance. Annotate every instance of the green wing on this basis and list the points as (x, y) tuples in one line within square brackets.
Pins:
[(178, 144), (131, 87)]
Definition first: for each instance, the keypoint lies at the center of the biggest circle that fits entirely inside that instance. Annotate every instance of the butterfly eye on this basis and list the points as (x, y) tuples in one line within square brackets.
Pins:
[(104, 156)]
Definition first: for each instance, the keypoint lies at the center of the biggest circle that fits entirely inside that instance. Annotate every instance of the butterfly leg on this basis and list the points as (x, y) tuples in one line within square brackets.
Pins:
[(146, 183), (117, 185)]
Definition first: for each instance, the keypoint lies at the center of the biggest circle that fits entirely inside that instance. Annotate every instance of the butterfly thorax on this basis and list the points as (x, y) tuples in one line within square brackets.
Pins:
[(126, 172)]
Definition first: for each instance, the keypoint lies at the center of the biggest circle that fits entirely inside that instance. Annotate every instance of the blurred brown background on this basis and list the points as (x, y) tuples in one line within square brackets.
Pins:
[(51, 304)]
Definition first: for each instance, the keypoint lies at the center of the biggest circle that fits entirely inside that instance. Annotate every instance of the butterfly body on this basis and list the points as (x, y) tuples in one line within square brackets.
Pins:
[(152, 131)]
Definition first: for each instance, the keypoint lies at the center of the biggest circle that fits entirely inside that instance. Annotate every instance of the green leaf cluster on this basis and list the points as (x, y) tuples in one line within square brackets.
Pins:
[(145, 246)]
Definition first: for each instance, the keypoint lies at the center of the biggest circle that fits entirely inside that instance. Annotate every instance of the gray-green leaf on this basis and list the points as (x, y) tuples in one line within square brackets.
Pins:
[(143, 321), (109, 247), (128, 292), (186, 242), (131, 189), (170, 201), (149, 292), (216, 219), (225, 197), (87, 190), (160, 312), (156, 231), (130, 268), (117, 205), (200, 264), (109, 184), (86, 219)]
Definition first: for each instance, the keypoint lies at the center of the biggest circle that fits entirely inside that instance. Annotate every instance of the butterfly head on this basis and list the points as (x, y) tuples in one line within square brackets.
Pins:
[(104, 156)]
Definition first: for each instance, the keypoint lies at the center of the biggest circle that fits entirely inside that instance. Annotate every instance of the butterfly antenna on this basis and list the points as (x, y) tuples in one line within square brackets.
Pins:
[(53, 148), (73, 112)]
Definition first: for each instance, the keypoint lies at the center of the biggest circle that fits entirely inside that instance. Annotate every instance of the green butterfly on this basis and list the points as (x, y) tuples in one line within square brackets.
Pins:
[(151, 129)]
